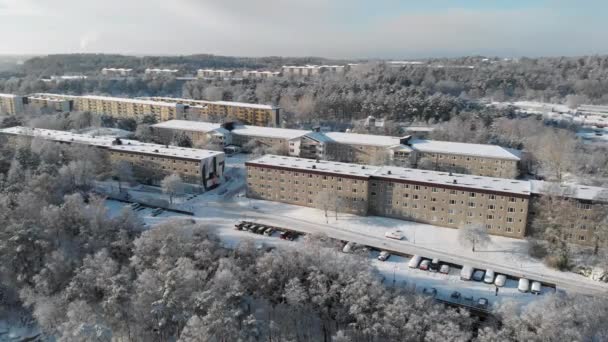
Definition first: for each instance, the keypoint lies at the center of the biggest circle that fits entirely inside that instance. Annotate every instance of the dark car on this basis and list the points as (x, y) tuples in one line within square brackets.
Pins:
[(455, 295), (430, 291), (482, 303), (478, 275), (434, 266)]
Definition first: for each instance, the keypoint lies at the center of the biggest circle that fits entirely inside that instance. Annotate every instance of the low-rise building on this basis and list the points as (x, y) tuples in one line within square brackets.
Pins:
[(312, 70), (117, 72), (227, 111), (215, 73), (438, 198), (156, 71), (150, 162), (260, 74), (11, 104)]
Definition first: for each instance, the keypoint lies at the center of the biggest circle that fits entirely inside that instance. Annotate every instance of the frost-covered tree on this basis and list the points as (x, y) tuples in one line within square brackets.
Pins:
[(474, 236), (172, 185)]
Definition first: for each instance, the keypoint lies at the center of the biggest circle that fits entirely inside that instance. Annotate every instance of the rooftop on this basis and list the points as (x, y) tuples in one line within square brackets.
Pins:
[(256, 131), (577, 191), (107, 142), (475, 150), (205, 102), (128, 100), (399, 173), (12, 96), (362, 139)]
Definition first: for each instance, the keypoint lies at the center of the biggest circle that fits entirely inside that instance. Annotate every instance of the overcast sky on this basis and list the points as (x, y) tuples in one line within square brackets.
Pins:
[(328, 28)]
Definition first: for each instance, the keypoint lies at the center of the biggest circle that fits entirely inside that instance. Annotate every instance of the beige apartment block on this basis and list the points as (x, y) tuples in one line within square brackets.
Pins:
[(226, 111), (116, 72), (49, 104), (312, 70), (438, 198), (215, 73), (11, 104), (150, 162), (260, 74)]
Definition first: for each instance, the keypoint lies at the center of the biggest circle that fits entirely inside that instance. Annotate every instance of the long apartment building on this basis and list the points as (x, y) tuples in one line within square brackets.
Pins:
[(478, 159), (157, 71), (150, 162), (117, 106), (215, 73), (46, 103), (311, 70), (438, 198), (260, 74), (11, 104), (117, 72), (222, 111)]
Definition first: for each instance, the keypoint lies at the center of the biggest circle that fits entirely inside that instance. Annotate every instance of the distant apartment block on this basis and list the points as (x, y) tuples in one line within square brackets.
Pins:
[(478, 159), (50, 103), (150, 162), (116, 72), (154, 71), (215, 73), (122, 107), (224, 111), (260, 74), (593, 110), (311, 70), (438, 198), (11, 104)]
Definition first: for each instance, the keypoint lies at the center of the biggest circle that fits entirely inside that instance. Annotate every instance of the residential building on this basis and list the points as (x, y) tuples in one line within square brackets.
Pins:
[(312, 70), (438, 198), (11, 104), (45, 103), (592, 110), (117, 72), (122, 107), (156, 71), (215, 73), (227, 111), (150, 162), (260, 74)]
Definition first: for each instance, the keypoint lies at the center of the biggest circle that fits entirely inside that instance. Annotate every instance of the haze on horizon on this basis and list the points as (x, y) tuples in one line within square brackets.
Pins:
[(339, 28)]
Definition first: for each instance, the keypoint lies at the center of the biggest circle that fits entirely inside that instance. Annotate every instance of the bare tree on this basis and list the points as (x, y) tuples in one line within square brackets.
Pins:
[(172, 185), (122, 172), (474, 235)]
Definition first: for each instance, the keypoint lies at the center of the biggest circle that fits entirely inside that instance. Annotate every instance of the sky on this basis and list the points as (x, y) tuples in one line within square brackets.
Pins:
[(389, 29)]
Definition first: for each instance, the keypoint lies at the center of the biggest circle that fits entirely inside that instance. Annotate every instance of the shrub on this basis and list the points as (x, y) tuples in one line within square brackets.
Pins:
[(537, 250)]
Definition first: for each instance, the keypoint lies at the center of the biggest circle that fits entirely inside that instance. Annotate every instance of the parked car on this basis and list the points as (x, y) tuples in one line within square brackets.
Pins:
[(466, 273), (478, 275), (445, 269), (430, 291), (524, 285), (260, 229), (395, 234), (348, 248), (135, 206), (283, 235), (384, 255), (434, 266), (489, 277), (269, 232), (500, 280), (482, 303), (536, 287), (455, 295), (424, 265), (239, 226), (157, 212), (414, 261)]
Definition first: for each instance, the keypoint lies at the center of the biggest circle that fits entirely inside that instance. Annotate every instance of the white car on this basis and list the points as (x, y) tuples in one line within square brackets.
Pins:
[(500, 280), (536, 287), (384, 255), (395, 234), (524, 285), (489, 277), (348, 247)]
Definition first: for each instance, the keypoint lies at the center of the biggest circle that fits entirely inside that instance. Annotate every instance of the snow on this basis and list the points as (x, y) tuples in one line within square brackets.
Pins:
[(362, 139), (10, 96), (475, 150), (577, 191), (204, 102)]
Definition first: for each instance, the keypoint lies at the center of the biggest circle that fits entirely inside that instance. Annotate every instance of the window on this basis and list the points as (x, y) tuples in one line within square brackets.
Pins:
[(511, 199), (492, 197), (472, 194), (452, 201), (511, 210), (491, 207), (490, 217), (581, 238), (471, 204), (451, 211), (509, 219)]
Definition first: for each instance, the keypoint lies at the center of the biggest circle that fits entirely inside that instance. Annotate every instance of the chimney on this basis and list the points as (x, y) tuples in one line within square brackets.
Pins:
[(455, 181), (316, 129), (390, 172), (314, 166)]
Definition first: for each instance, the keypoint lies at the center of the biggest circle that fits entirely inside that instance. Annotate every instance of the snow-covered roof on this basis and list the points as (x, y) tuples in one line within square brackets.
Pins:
[(108, 142), (330, 167), (116, 69), (475, 150), (362, 139), (129, 100), (489, 184), (456, 180), (270, 132), (204, 102), (197, 126), (577, 191), (10, 96), (162, 70)]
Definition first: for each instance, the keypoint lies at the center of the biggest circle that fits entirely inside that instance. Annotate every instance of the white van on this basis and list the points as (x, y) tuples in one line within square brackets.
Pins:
[(414, 261), (524, 285), (466, 273), (536, 287), (489, 277), (500, 281)]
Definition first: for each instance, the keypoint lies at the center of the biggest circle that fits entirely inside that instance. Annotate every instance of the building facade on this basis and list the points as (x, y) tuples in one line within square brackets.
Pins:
[(11, 104), (311, 70), (49, 104), (260, 74), (448, 200), (225, 111), (150, 162), (215, 73), (117, 72)]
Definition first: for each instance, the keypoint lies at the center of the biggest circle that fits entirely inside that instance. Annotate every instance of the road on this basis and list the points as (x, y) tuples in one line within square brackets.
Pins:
[(220, 211)]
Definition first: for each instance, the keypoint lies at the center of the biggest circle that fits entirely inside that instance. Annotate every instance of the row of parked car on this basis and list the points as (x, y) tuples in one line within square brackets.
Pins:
[(433, 265), (265, 230), (139, 207), (489, 277)]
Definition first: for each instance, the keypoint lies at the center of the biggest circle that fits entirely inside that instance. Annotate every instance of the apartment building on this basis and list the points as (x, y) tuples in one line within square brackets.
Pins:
[(156, 71), (477, 159), (226, 111), (116, 72), (11, 104), (260, 74), (215, 73), (438, 198), (150, 162), (121, 107), (311, 70), (587, 207), (45, 103), (245, 136)]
